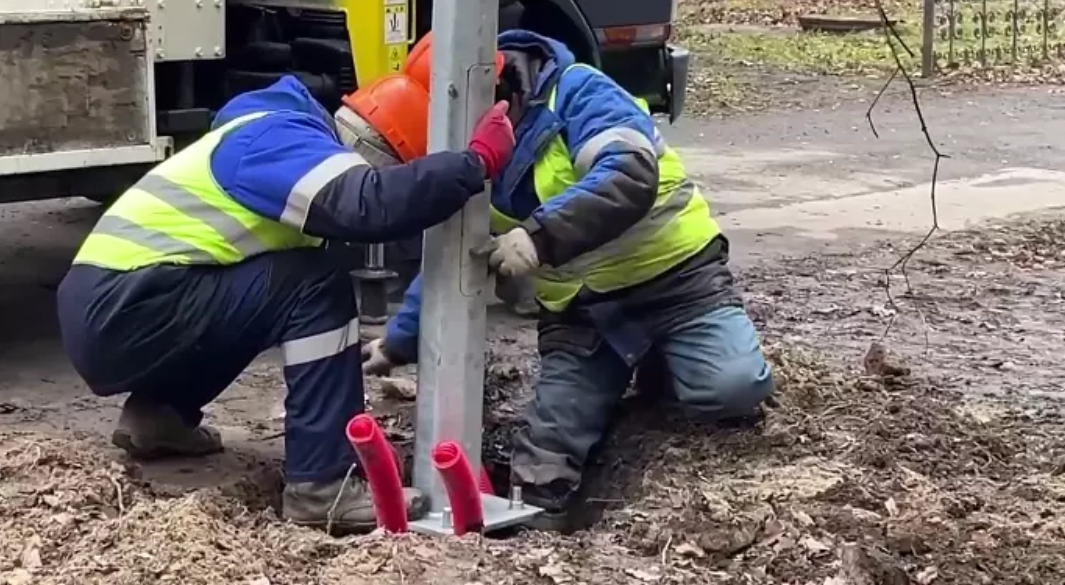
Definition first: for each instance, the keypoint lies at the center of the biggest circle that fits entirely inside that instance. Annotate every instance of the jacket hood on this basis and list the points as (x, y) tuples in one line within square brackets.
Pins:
[(535, 56), (286, 94)]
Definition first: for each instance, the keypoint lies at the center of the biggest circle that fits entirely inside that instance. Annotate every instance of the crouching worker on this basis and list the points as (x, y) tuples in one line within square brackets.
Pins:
[(626, 259), (216, 255)]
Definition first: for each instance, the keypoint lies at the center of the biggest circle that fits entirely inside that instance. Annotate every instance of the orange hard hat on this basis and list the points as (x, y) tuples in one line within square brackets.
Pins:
[(397, 108), (419, 61)]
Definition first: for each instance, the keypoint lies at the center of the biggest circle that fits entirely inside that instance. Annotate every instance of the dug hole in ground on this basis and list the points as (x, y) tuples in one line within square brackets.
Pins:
[(913, 441)]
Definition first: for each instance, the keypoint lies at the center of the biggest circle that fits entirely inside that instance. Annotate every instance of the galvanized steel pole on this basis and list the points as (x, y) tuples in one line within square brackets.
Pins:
[(451, 344)]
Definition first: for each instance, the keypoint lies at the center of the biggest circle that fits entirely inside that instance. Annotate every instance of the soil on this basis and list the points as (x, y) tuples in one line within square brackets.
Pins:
[(927, 452)]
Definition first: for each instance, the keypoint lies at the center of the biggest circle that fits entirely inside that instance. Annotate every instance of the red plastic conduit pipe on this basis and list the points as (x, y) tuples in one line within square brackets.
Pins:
[(379, 460), (486, 482), (466, 512)]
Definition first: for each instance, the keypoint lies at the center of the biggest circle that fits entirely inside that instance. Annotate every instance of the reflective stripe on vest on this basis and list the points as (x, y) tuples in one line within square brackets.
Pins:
[(177, 214), (676, 228)]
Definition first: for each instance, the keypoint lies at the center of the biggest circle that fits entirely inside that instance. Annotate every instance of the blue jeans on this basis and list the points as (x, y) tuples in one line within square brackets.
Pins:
[(716, 368)]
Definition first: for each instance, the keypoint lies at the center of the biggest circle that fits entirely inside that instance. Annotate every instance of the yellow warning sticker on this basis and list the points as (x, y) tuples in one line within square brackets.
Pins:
[(395, 59)]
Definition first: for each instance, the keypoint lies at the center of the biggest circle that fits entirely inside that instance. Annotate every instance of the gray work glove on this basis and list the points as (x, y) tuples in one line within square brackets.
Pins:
[(512, 254), (375, 359)]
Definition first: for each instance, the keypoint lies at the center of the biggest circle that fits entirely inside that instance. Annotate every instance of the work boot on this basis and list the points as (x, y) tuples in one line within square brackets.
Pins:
[(560, 505), (150, 430), (310, 503)]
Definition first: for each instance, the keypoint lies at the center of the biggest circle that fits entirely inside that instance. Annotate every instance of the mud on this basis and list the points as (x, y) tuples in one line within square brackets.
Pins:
[(877, 467)]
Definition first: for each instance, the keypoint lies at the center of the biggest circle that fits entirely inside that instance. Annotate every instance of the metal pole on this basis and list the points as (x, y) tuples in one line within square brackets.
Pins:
[(928, 56), (451, 344)]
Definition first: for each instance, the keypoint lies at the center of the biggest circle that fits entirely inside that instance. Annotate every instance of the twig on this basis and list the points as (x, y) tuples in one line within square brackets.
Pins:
[(397, 565), (876, 100), (118, 495), (272, 436), (336, 501), (893, 40)]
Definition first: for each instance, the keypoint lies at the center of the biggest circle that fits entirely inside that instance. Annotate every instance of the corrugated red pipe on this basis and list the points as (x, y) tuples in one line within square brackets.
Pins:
[(380, 463), (450, 461), (486, 482)]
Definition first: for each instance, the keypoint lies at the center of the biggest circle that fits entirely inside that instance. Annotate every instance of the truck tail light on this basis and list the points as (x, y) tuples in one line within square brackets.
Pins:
[(625, 36)]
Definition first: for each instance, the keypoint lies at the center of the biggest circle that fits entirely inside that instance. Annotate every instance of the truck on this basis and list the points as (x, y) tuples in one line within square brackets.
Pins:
[(96, 92)]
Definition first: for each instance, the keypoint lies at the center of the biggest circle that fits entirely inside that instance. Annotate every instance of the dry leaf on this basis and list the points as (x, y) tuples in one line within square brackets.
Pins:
[(63, 519), (688, 549), (645, 576), (18, 577), (31, 553), (891, 507), (802, 518), (554, 572), (927, 575), (814, 546)]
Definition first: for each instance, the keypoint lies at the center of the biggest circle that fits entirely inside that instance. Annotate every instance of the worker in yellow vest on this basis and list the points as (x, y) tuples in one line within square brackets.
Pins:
[(627, 262), (217, 255)]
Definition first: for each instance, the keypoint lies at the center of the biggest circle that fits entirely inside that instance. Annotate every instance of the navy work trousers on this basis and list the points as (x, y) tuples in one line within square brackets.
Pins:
[(183, 334)]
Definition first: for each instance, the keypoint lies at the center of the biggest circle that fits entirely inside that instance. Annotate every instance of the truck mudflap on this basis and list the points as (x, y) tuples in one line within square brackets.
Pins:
[(77, 90), (678, 60)]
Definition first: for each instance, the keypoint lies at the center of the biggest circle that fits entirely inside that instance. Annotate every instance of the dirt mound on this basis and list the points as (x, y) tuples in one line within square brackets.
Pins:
[(861, 479), (69, 515), (849, 480)]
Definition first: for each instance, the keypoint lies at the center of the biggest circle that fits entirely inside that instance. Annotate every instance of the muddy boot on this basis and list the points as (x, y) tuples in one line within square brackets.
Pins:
[(317, 505), (562, 511), (744, 421), (150, 430)]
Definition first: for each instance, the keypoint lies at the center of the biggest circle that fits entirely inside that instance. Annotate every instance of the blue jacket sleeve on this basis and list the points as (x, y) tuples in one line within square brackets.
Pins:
[(289, 167), (611, 141), (401, 334)]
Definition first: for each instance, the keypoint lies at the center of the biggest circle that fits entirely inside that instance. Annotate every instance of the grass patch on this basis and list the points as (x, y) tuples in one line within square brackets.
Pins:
[(714, 91), (786, 12), (798, 52)]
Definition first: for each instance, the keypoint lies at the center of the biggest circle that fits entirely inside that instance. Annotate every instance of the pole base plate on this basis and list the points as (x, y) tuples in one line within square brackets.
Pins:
[(498, 513)]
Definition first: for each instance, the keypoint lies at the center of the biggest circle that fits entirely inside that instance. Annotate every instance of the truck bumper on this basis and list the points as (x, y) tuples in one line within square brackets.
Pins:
[(677, 61)]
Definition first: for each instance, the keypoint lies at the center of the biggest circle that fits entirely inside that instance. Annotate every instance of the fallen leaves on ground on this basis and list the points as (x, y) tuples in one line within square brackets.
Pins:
[(858, 475), (849, 477)]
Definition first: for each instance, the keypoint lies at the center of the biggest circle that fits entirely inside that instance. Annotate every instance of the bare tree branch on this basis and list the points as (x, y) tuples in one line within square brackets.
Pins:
[(894, 42)]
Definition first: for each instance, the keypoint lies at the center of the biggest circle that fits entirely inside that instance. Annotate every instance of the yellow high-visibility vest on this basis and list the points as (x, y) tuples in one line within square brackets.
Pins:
[(177, 214), (676, 228)]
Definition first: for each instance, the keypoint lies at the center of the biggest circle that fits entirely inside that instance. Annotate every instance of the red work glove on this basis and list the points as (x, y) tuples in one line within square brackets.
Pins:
[(493, 139)]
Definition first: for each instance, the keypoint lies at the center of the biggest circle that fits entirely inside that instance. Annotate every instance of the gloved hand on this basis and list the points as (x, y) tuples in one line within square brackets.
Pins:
[(375, 359), (493, 139), (512, 254)]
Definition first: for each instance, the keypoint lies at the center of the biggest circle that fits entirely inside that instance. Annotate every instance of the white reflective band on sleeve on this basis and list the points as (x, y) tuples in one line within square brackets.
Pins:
[(298, 204), (323, 345), (660, 142), (591, 149)]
